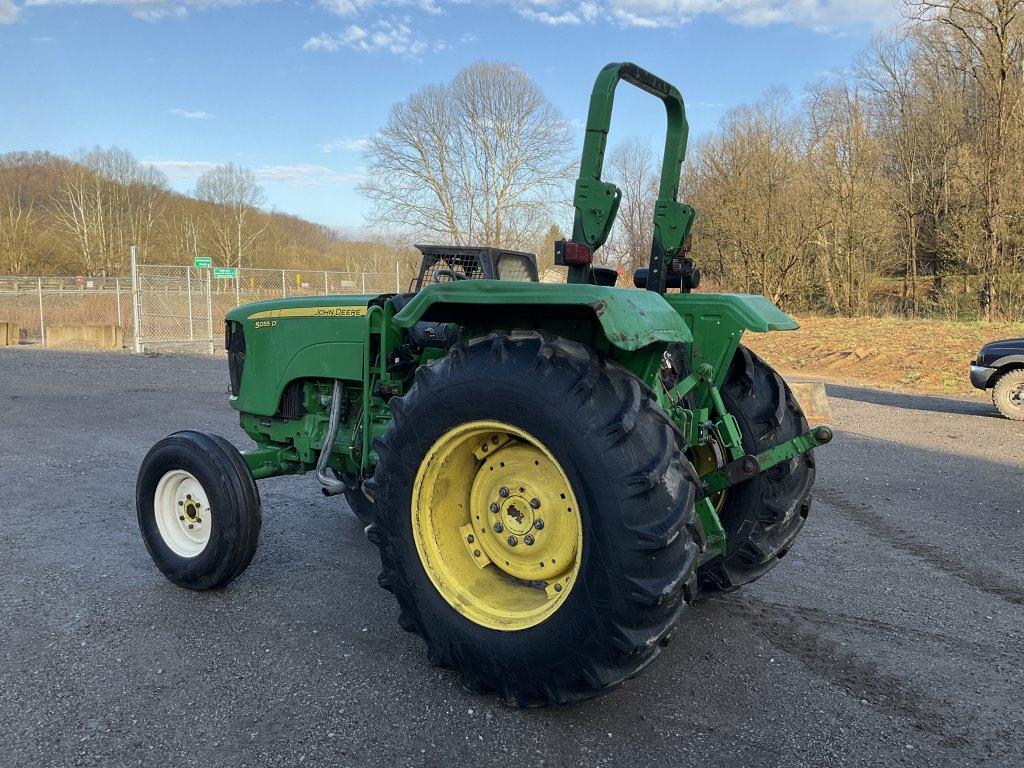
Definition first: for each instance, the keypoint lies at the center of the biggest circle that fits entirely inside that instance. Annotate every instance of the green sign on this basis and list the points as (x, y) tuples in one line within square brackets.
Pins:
[(203, 262), (225, 273)]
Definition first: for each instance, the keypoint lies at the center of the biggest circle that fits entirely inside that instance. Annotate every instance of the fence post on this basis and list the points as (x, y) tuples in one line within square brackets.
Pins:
[(136, 312), (209, 306), (42, 324), (398, 278), (117, 288), (188, 283), (238, 290), (284, 286), (364, 282), (327, 287)]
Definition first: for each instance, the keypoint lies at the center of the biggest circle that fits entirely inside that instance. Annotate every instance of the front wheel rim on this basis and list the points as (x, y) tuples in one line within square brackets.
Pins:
[(496, 525), (183, 514)]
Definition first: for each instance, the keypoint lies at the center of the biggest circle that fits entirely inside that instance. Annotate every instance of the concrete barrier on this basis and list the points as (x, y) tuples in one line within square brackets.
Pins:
[(10, 334), (93, 336)]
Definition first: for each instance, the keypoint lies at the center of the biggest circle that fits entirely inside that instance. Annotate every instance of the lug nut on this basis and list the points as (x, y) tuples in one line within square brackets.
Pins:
[(471, 538), (535, 503), (498, 527), (495, 507), (181, 517), (503, 492), (199, 519), (476, 553), (528, 538), (538, 524), (484, 447), (181, 503), (512, 541), (494, 439), (190, 526), (558, 587)]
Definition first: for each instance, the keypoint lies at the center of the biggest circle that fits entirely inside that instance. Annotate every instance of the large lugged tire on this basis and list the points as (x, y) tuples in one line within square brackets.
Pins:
[(1008, 394), (763, 516), (539, 441), (198, 509)]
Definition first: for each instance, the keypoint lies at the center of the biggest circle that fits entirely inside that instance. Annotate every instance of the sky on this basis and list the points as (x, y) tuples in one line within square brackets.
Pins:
[(293, 88)]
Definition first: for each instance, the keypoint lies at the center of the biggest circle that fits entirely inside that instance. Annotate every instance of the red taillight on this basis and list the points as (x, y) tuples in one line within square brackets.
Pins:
[(570, 254)]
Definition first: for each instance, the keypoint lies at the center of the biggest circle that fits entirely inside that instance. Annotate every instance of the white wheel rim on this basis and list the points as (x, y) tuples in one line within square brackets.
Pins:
[(183, 514)]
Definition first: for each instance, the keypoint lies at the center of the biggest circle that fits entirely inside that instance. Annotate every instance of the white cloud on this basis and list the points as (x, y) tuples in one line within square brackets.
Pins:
[(295, 175), (190, 114), (151, 10), (566, 17), (391, 35), (8, 12), (348, 8), (305, 175), (345, 144)]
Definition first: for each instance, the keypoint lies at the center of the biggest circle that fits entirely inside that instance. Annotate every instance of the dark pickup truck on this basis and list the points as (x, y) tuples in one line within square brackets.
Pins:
[(1000, 367)]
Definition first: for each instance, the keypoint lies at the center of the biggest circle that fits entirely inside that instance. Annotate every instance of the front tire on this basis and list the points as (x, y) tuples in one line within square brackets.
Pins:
[(502, 433), (1008, 394), (198, 509)]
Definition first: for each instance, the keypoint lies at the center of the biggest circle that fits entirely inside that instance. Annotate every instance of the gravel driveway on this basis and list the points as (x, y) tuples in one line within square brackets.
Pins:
[(891, 634)]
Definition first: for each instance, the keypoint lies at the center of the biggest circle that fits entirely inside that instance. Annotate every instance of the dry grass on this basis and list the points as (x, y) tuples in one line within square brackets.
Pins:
[(918, 355)]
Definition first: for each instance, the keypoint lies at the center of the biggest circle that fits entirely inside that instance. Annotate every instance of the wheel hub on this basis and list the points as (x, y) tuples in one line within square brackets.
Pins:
[(183, 515), (496, 525)]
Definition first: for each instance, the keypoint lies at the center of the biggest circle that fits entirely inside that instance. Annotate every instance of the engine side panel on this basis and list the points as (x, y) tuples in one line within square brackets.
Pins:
[(305, 337)]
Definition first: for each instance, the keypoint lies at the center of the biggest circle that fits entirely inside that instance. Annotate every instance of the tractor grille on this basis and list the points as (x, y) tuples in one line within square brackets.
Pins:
[(234, 343)]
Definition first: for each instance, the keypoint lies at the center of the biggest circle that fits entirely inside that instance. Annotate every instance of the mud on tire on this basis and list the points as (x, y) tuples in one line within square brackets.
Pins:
[(635, 491)]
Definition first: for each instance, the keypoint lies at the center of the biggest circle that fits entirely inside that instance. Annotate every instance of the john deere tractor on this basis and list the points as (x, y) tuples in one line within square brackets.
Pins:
[(551, 472)]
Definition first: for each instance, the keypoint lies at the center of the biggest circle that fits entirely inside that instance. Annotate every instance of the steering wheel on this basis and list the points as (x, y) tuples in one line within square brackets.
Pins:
[(451, 274)]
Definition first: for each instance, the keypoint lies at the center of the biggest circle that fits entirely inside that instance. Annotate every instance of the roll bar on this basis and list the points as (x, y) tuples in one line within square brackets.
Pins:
[(597, 201)]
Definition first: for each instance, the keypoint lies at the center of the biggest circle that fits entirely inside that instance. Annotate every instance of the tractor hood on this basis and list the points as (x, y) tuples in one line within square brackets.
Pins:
[(630, 319)]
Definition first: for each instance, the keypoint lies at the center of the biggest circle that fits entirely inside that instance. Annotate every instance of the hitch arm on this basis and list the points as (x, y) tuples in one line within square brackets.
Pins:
[(751, 465)]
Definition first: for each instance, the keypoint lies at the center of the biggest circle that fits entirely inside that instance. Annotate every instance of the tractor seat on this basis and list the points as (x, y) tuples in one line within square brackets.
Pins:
[(427, 334)]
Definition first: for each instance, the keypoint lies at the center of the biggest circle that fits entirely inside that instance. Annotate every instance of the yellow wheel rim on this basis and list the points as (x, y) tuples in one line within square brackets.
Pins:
[(496, 525)]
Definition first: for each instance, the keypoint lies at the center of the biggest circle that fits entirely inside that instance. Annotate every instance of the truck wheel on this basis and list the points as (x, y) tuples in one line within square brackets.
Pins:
[(537, 526), (1008, 394), (198, 509), (762, 516)]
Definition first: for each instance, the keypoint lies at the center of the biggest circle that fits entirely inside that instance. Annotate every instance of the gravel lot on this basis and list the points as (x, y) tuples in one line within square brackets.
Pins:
[(892, 633)]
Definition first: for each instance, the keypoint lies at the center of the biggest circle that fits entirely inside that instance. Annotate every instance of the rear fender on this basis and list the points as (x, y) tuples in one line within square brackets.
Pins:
[(625, 319), (717, 322)]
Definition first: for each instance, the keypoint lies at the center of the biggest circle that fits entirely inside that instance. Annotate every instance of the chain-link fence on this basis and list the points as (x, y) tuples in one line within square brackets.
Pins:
[(32, 305), (182, 308), (161, 307)]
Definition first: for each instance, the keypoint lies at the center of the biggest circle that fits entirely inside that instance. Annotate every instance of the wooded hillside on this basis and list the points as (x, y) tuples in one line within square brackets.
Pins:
[(67, 217)]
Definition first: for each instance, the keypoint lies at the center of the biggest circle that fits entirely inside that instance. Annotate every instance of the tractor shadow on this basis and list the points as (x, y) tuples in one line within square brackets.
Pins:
[(928, 403)]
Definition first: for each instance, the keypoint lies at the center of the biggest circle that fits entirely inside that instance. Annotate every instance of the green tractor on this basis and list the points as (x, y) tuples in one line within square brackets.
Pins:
[(551, 472)]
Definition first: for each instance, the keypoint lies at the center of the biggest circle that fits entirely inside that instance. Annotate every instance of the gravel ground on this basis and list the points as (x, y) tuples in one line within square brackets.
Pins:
[(892, 633)]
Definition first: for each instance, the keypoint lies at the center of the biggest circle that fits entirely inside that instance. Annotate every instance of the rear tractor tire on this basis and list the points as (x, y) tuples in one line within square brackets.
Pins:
[(1008, 394), (198, 509), (762, 516), (537, 522)]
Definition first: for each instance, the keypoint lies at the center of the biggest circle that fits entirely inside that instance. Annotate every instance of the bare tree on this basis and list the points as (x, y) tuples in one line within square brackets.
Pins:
[(107, 201), (986, 39), (19, 220), (478, 160), (633, 168), (234, 220)]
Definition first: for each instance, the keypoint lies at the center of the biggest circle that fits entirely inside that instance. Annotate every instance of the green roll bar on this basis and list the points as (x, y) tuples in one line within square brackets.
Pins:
[(597, 202)]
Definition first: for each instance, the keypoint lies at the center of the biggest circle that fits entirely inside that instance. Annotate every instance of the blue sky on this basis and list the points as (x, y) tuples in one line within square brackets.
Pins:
[(292, 88)]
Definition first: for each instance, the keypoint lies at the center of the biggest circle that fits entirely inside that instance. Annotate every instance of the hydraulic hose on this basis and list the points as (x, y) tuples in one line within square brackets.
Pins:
[(331, 486)]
